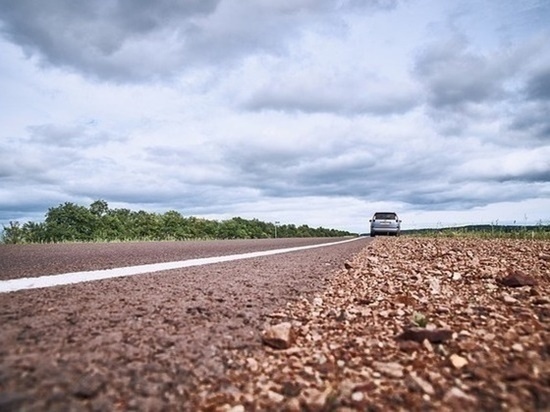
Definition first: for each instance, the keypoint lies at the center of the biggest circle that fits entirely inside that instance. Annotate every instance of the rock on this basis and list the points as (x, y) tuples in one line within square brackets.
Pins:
[(291, 389), (429, 347), (292, 405), (391, 369), (316, 400), (419, 334), (435, 287), (455, 394), (518, 347), (509, 299), (252, 364), (348, 265), (275, 397), (416, 382), (89, 386), (409, 345), (280, 336), (517, 278), (458, 361), (318, 301), (544, 256), (11, 401)]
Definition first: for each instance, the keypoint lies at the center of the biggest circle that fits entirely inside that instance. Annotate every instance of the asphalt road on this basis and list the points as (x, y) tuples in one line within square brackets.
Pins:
[(144, 342)]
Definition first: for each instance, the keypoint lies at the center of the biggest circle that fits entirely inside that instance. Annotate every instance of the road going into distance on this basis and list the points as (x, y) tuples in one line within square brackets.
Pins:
[(34, 282), (134, 342)]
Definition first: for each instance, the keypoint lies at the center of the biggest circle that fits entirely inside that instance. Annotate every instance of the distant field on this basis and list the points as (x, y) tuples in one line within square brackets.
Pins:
[(487, 231)]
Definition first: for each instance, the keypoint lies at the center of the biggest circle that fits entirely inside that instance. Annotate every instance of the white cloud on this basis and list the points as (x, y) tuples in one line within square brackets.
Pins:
[(297, 111)]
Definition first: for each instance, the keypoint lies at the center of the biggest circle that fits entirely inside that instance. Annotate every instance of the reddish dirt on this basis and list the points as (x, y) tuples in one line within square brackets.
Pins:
[(146, 342)]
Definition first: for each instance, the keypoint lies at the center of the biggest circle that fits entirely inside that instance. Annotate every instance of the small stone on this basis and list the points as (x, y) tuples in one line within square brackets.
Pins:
[(275, 397), (318, 301), (280, 336), (408, 346), (391, 369), (544, 256), (357, 396), (88, 386), (237, 408), (417, 382), (457, 394), (292, 405), (435, 287), (429, 347), (517, 278), (315, 399), (458, 361), (509, 299), (252, 364), (518, 347), (456, 276), (419, 334)]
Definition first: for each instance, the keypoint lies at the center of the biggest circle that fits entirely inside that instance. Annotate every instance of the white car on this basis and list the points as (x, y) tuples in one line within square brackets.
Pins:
[(385, 223)]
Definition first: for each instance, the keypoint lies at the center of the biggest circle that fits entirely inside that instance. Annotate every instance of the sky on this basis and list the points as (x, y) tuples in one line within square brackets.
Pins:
[(309, 112)]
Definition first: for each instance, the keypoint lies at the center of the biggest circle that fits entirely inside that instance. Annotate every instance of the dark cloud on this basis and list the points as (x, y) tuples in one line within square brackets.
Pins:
[(127, 40), (538, 86), (542, 176), (326, 100), (369, 172), (77, 136), (531, 122), (103, 39), (453, 76)]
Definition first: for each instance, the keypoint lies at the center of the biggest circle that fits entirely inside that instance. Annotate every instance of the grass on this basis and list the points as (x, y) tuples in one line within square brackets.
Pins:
[(536, 232)]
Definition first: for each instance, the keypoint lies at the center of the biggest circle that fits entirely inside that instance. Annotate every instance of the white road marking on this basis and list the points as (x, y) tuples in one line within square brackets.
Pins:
[(14, 285)]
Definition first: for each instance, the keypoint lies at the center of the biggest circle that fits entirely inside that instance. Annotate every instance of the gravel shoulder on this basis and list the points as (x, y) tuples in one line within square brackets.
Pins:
[(404, 323), (420, 324)]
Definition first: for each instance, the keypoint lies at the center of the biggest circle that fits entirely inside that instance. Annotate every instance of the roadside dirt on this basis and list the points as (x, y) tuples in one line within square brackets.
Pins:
[(436, 324), (412, 324)]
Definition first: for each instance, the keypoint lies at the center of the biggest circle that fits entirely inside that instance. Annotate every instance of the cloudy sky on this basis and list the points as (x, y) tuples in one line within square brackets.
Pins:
[(298, 111)]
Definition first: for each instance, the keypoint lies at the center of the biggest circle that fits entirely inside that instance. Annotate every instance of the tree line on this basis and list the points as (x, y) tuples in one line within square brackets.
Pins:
[(70, 222)]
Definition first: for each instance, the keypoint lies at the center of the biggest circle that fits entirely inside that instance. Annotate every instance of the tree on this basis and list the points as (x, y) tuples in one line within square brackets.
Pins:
[(99, 208), (70, 222), (13, 233)]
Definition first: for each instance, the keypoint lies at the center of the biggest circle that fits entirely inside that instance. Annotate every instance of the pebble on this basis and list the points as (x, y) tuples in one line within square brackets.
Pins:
[(391, 369), (458, 361), (280, 336), (509, 299), (518, 347)]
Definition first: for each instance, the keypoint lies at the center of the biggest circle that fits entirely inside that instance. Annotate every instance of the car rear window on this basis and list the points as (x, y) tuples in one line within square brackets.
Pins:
[(385, 216)]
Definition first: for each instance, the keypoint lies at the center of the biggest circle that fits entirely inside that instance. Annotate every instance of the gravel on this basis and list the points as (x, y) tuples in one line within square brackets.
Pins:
[(391, 324)]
